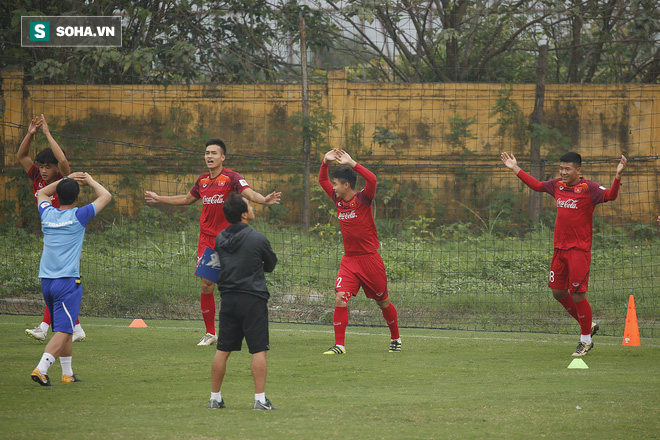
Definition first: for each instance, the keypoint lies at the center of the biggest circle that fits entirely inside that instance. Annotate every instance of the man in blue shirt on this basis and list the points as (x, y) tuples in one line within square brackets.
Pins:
[(59, 270)]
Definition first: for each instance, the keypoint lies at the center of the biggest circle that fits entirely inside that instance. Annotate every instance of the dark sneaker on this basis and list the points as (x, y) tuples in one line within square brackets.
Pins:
[(69, 379), (335, 349), (267, 405), (40, 378), (214, 404), (395, 346), (583, 349), (594, 329)]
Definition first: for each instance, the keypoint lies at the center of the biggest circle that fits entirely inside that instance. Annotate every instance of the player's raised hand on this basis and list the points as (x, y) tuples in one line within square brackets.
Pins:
[(330, 156), (273, 198), (44, 124), (621, 166), (34, 125), (509, 160), (150, 197), (79, 177), (343, 158)]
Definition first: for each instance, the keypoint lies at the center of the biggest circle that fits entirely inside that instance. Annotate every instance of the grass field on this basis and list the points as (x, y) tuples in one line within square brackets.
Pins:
[(154, 383)]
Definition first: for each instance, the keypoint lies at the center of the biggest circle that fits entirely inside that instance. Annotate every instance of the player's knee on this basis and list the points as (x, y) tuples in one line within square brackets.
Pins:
[(341, 299), (383, 303)]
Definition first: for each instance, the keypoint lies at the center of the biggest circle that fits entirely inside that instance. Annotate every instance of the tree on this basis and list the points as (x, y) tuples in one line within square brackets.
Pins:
[(170, 42), (486, 41)]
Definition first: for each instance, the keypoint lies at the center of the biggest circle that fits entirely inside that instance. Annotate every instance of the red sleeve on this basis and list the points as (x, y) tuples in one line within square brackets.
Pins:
[(324, 181), (239, 183), (613, 192), (195, 190), (370, 186), (531, 181), (33, 174)]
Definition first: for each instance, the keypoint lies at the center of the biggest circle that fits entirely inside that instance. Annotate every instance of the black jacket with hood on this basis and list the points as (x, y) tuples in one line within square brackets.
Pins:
[(245, 255)]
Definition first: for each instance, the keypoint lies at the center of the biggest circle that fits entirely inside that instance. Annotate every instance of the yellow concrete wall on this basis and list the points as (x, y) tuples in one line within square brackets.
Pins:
[(604, 121)]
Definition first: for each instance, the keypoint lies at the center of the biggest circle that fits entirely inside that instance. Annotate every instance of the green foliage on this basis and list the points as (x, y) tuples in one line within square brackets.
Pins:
[(459, 134), (354, 142), (314, 126), (383, 136), (510, 122), (510, 117)]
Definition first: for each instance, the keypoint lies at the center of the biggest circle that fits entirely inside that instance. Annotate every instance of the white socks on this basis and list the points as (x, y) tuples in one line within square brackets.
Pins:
[(261, 397), (46, 361), (65, 361), (216, 396)]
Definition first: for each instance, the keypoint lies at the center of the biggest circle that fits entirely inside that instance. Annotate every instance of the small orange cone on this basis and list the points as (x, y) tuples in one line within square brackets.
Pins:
[(139, 323), (631, 332)]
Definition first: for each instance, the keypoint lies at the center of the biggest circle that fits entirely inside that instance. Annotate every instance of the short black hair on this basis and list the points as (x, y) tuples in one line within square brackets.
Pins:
[(345, 175), (571, 157), (46, 157), (67, 191), (218, 142), (234, 206)]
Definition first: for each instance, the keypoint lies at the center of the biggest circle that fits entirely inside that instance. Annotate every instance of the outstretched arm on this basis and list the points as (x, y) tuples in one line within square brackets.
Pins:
[(23, 151), (509, 160), (255, 197), (62, 162), (183, 199)]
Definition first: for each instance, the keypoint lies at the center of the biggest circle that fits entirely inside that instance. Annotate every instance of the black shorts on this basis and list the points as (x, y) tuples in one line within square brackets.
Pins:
[(243, 316)]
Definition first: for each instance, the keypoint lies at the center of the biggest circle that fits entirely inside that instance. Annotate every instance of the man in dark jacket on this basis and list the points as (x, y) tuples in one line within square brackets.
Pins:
[(245, 255)]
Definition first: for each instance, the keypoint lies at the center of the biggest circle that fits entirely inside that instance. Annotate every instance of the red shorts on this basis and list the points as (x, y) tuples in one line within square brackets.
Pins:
[(570, 270), (204, 242), (366, 271)]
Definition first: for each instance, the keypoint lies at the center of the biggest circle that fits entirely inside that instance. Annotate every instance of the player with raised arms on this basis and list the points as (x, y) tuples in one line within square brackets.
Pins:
[(59, 270), (361, 265), (576, 199), (51, 165), (213, 188)]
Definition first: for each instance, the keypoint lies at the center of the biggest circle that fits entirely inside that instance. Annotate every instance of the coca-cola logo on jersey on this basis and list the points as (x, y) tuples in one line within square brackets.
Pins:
[(346, 215), (215, 200), (568, 203)]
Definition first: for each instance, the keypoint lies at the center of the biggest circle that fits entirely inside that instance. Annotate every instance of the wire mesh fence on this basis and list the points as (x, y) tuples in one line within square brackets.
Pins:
[(462, 246)]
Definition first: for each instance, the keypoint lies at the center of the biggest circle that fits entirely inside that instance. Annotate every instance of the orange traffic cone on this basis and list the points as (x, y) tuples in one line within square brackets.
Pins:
[(631, 332), (139, 323)]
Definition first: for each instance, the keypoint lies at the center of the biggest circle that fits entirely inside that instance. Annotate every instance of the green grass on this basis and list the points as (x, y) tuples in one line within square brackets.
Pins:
[(154, 383), (455, 278)]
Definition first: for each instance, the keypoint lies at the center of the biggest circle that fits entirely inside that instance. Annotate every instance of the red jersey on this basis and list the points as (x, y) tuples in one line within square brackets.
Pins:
[(575, 207), (38, 183), (355, 216), (213, 193)]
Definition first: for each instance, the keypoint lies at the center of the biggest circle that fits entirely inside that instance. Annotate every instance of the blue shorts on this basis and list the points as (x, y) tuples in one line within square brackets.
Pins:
[(63, 297)]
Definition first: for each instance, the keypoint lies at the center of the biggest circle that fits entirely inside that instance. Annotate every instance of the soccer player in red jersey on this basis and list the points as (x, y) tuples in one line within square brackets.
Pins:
[(51, 166), (361, 265), (569, 271), (213, 188)]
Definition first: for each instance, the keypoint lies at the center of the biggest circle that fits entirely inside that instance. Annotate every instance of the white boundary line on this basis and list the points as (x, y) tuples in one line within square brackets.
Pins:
[(404, 335)]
